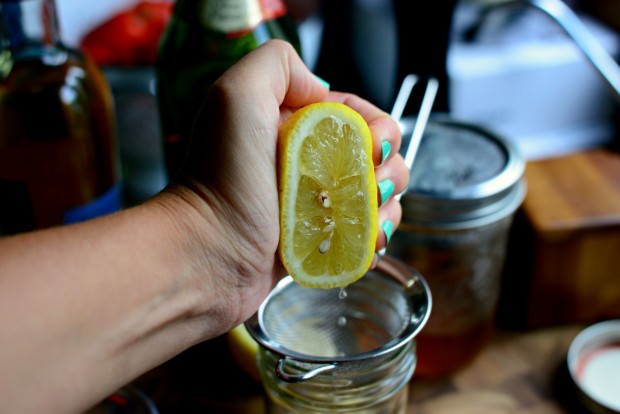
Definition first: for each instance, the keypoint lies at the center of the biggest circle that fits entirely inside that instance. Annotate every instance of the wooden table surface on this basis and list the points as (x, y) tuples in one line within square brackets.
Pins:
[(519, 373)]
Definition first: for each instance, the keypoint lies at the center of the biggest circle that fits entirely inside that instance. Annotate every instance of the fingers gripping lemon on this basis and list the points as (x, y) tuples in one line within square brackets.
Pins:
[(328, 196)]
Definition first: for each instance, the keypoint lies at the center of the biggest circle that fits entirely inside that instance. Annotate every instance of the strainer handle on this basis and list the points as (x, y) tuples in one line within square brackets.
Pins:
[(281, 366)]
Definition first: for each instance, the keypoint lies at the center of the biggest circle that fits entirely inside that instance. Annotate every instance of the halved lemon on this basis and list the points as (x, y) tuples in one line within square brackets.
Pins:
[(328, 196)]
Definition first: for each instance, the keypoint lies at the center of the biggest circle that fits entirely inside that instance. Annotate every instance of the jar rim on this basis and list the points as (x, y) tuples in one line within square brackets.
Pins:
[(470, 205), (508, 176)]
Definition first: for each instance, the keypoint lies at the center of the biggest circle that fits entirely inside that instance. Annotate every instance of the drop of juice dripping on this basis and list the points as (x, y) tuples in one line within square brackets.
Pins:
[(342, 321), (342, 294)]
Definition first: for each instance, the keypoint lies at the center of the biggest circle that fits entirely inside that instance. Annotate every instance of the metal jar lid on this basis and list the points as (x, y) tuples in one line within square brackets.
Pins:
[(593, 362), (464, 176)]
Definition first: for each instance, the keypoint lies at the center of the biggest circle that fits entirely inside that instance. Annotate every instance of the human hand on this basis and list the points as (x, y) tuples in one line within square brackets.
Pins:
[(230, 175)]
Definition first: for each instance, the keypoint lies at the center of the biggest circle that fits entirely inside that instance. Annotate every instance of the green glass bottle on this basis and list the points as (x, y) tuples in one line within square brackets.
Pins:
[(58, 156), (203, 39)]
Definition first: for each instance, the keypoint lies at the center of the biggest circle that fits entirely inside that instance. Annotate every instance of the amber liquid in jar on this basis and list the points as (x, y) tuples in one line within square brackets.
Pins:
[(440, 355), (462, 268), (57, 143)]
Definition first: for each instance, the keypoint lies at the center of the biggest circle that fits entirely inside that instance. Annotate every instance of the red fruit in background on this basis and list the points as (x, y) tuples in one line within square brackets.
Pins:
[(129, 38)]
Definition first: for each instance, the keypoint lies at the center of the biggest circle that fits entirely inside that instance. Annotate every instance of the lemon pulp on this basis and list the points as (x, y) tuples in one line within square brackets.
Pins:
[(328, 196)]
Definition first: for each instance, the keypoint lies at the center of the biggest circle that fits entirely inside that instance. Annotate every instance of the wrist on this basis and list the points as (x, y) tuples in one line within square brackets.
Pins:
[(205, 257)]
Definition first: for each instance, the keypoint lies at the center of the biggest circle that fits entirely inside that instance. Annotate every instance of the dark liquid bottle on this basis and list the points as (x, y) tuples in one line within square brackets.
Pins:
[(203, 39), (58, 160)]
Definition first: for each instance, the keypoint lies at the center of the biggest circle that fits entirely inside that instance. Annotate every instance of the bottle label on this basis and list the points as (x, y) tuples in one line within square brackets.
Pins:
[(108, 202), (237, 17), (17, 214)]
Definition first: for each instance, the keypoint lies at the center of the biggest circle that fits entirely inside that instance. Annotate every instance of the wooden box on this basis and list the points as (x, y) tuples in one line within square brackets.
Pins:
[(563, 263)]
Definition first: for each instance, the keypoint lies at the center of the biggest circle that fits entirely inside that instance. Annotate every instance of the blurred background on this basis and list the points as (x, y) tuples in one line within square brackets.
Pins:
[(512, 69)]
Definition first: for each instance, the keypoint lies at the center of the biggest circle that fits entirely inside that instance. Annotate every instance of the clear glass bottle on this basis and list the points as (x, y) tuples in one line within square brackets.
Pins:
[(203, 39), (58, 160)]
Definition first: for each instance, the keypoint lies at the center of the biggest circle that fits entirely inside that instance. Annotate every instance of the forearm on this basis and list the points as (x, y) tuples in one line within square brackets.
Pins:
[(104, 300)]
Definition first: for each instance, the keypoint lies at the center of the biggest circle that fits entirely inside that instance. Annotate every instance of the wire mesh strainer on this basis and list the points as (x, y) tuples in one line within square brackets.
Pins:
[(340, 329)]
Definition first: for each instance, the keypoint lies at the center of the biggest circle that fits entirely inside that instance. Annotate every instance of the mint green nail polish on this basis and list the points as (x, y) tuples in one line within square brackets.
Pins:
[(386, 189), (323, 82), (386, 148), (388, 229)]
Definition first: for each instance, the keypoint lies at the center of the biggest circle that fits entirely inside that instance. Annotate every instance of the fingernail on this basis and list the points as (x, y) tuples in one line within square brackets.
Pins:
[(323, 82), (388, 229), (386, 148), (386, 188)]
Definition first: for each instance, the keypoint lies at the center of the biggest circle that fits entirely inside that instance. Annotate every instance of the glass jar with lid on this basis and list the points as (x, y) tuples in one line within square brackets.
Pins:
[(464, 189)]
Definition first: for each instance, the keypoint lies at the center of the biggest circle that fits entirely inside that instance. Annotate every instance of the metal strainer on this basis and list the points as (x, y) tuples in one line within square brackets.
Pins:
[(342, 328)]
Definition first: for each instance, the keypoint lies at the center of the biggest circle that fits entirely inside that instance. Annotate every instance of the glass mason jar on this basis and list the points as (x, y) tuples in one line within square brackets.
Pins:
[(378, 387), (348, 350), (464, 189)]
